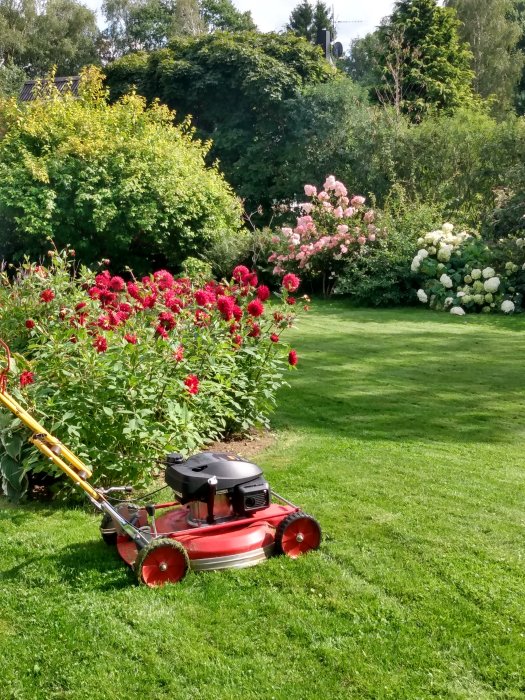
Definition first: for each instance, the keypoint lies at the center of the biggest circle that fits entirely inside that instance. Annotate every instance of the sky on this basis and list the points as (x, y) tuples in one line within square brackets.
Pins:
[(357, 18)]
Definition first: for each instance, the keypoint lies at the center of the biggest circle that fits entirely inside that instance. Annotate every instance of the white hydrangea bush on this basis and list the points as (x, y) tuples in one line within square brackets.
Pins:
[(460, 273)]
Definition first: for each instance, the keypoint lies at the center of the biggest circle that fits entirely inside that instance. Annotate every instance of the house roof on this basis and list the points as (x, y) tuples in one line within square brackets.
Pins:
[(63, 85)]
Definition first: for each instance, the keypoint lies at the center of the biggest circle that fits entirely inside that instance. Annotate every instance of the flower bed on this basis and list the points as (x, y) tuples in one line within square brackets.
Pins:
[(123, 371), (461, 273), (332, 229)]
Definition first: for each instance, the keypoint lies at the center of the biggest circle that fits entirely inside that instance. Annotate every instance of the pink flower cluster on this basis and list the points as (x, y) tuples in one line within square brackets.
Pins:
[(333, 225)]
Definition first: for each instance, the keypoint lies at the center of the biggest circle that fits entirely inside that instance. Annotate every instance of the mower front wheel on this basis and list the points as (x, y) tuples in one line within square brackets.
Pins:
[(297, 534), (164, 560), (108, 530)]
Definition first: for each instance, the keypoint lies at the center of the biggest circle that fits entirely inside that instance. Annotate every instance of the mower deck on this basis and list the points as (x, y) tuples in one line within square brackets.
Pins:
[(234, 544)]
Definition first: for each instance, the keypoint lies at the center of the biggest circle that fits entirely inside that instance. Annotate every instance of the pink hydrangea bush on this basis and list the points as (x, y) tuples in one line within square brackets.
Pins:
[(333, 228), (123, 370)]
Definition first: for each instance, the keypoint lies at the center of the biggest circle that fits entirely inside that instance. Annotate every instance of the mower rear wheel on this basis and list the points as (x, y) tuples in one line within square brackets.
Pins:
[(296, 534), (108, 530), (164, 560)]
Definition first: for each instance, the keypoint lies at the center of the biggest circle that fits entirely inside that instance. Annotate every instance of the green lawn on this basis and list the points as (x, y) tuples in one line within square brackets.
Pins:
[(404, 434)]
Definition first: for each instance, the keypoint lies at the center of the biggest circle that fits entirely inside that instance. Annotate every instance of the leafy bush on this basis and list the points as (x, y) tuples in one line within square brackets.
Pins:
[(461, 273), (333, 229), (121, 181), (236, 87), (381, 275), (123, 372)]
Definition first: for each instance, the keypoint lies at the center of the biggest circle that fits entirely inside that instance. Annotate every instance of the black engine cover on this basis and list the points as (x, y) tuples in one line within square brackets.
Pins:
[(189, 478)]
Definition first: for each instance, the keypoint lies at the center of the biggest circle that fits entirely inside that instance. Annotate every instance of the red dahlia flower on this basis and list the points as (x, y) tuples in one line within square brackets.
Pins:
[(255, 331), (237, 312), (167, 319), (103, 279), (292, 357), (263, 293), (237, 340), (161, 331), (26, 378), (239, 273), (30, 323), (149, 301), (178, 355), (192, 383), (131, 338), (274, 338), (100, 344), (255, 308), (291, 300), (117, 284), (47, 295), (164, 279), (133, 290), (251, 280), (226, 305), (291, 282)]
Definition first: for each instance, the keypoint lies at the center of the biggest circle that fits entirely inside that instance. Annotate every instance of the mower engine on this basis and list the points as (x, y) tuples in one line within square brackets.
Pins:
[(217, 486)]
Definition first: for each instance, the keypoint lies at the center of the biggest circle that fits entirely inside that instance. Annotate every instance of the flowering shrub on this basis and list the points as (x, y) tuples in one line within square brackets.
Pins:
[(333, 227), (461, 273), (123, 371)]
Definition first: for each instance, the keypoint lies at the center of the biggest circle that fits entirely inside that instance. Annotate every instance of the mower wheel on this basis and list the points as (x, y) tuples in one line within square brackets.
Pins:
[(296, 534), (107, 530), (164, 560)]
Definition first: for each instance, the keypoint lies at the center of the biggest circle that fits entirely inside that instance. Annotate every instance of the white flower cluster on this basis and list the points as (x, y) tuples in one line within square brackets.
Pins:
[(453, 281)]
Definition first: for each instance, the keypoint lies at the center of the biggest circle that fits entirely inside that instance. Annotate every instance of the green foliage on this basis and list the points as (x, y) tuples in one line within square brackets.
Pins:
[(124, 373), (61, 33), (236, 87), (12, 77), (418, 63), (222, 15), (146, 25), (119, 181), (461, 272), (381, 275), (199, 271), (493, 35), (307, 20)]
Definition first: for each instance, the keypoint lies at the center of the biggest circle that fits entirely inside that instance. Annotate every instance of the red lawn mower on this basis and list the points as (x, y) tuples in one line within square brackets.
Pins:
[(223, 516)]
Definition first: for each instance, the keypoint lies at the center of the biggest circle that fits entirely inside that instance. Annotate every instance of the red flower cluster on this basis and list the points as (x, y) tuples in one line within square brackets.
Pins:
[(192, 383), (27, 378), (292, 357), (30, 323), (47, 295), (291, 282), (100, 344)]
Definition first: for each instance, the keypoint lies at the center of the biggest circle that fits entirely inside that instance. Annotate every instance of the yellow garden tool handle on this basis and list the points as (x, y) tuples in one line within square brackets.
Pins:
[(64, 459), (48, 444)]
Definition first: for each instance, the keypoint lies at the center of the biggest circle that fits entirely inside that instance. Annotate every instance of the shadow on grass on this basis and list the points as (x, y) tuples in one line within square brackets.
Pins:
[(81, 565), (395, 382)]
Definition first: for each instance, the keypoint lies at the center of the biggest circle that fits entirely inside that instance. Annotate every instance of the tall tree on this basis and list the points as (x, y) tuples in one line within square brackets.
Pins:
[(301, 21), (417, 61), (493, 34), (307, 21), (135, 25), (323, 19), (223, 15), (187, 20), (61, 33), (236, 88)]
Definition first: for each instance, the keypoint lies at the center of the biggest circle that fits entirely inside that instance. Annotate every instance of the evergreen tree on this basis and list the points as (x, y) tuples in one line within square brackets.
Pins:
[(423, 64), (493, 34), (306, 20), (322, 19), (301, 21)]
